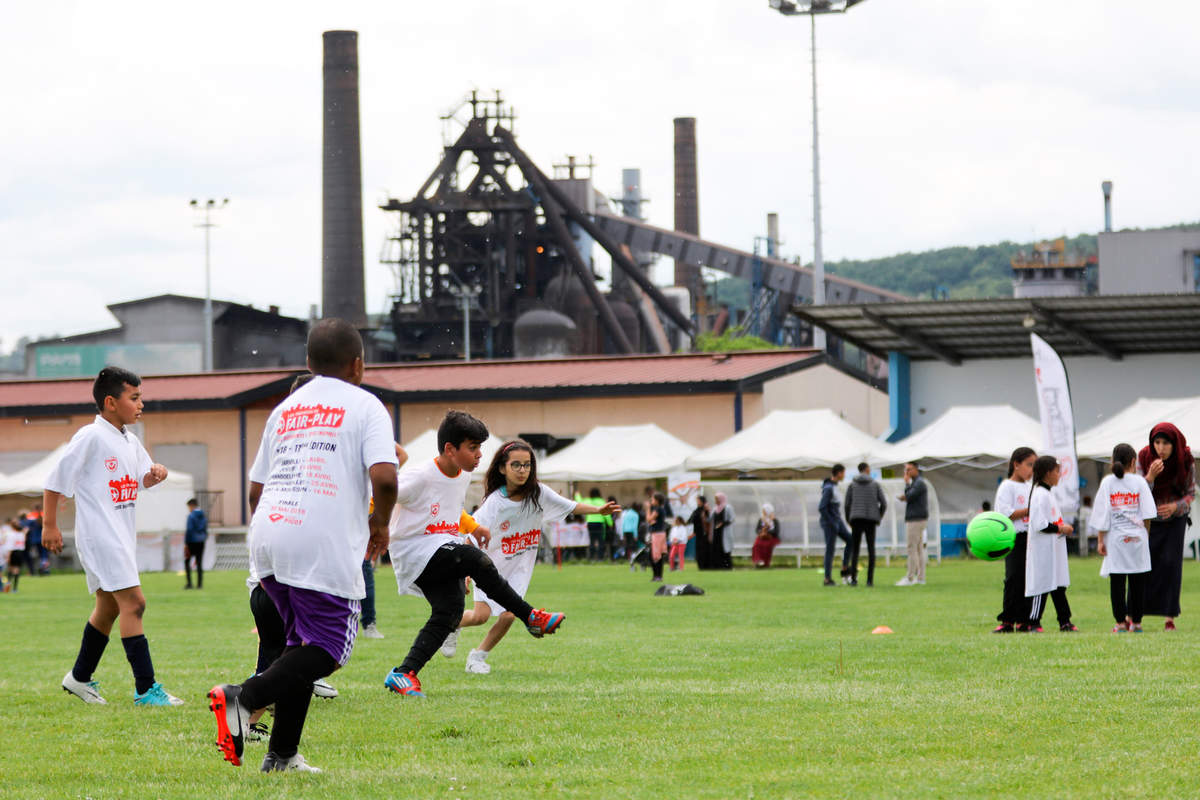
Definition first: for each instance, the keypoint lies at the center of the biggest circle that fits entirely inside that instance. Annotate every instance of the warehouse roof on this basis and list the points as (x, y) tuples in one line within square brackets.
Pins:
[(417, 381), (958, 330)]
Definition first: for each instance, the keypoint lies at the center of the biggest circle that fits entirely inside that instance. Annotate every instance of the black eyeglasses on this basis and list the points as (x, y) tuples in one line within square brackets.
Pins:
[(521, 465)]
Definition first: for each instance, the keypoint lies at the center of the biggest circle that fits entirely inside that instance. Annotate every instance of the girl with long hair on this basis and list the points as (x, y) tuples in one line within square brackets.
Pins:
[(1122, 513), (1046, 567), (1012, 500), (515, 508), (1170, 469)]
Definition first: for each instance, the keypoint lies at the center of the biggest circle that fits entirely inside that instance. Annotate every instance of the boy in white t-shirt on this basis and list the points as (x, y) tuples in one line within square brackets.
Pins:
[(326, 452), (103, 467), (431, 559)]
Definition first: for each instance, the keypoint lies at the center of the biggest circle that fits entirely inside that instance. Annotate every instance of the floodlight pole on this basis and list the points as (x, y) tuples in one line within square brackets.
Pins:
[(812, 9), (818, 257), (209, 207)]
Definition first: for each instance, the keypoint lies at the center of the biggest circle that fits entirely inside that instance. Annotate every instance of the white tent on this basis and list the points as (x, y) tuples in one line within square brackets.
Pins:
[(618, 453), (794, 440), (31, 480), (972, 436), (424, 448), (1132, 425)]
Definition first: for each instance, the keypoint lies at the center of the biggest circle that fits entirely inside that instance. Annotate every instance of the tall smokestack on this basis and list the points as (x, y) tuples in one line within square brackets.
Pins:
[(342, 291), (773, 235), (1106, 187), (687, 200)]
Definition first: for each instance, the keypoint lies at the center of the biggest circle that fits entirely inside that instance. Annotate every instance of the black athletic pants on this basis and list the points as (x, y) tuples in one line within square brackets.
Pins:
[(271, 636), (194, 550), (1062, 609), (595, 541), (1130, 605), (1016, 604), (858, 529), (288, 684), (442, 583), (831, 537)]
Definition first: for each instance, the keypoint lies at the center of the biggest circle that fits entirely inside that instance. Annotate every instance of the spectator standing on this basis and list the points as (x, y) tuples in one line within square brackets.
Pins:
[(629, 529), (596, 526), (721, 553), (916, 516), (37, 558), (660, 513), (677, 540), (865, 505), (701, 522), (766, 537), (1169, 468), (832, 524), (194, 538)]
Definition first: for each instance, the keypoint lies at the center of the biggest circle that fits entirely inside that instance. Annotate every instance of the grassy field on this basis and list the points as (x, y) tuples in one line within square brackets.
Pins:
[(770, 686)]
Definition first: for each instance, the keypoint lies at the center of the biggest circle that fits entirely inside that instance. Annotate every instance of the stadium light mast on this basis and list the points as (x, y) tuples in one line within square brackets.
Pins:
[(811, 9), (208, 207)]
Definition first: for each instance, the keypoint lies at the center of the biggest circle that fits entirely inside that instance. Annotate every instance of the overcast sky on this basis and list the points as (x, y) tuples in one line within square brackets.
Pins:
[(942, 123)]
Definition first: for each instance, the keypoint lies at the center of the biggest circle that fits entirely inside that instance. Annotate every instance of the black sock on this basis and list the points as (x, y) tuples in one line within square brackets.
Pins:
[(137, 650), (90, 650), (16, 578)]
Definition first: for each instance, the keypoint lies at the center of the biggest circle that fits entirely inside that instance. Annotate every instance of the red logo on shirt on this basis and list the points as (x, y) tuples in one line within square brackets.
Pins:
[(110, 464), (504, 526), (510, 545), (450, 528), (1123, 499), (304, 417), (275, 517), (434, 509), (123, 490)]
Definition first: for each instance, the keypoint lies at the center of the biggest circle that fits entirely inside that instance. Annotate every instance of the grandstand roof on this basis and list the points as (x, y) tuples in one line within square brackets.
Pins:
[(958, 330)]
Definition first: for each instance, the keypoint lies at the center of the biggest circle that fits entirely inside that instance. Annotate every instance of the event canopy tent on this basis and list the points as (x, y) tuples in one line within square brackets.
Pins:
[(424, 448), (794, 440), (972, 436), (618, 453), (1132, 425)]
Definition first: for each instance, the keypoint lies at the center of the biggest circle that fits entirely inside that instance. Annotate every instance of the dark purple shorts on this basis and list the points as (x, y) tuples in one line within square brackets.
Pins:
[(316, 618)]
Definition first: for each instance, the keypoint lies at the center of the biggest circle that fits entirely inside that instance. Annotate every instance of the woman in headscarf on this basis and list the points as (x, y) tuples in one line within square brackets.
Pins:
[(721, 556), (767, 537), (1170, 469)]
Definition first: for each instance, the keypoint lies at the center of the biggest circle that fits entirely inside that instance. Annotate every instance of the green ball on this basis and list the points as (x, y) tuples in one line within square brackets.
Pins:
[(991, 535)]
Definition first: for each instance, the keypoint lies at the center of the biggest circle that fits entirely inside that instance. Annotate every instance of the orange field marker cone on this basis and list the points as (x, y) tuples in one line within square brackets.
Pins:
[(883, 629)]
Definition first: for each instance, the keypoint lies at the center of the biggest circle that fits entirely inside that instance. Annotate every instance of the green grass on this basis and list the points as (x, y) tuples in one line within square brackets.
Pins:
[(770, 686)]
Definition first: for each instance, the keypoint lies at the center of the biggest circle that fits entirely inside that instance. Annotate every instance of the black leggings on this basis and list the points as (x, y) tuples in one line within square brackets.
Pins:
[(442, 583), (271, 636), (1130, 605), (1016, 605), (858, 529), (194, 550), (1062, 609)]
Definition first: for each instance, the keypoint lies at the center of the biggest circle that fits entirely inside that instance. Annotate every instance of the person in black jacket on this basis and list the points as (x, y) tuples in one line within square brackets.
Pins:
[(865, 505), (832, 524)]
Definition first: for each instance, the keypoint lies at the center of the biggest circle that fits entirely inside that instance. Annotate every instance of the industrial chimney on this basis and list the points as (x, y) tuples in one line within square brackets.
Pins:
[(342, 291), (687, 202), (1106, 187)]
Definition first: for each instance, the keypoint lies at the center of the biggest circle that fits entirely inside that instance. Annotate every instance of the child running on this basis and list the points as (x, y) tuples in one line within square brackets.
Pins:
[(515, 508), (103, 467), (431, 559), (1122, 513), (14, 553), (1046, 568), (326, 452)]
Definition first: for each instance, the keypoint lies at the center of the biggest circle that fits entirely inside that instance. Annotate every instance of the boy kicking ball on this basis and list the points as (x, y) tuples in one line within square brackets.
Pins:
[(431, 559), (102, 468), (327, 451)]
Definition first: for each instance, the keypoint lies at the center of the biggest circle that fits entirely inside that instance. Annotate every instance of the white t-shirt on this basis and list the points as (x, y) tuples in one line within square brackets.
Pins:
[(1046, 566), (428, 507), (516, 528), (678, 535), (11, 539), (310, 527), (103, 468), (1011, 495), (1121, 506)]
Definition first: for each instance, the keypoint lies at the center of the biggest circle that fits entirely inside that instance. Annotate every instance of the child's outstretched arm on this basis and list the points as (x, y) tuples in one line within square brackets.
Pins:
[(51, 535), (608, 509), (156, 475)]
